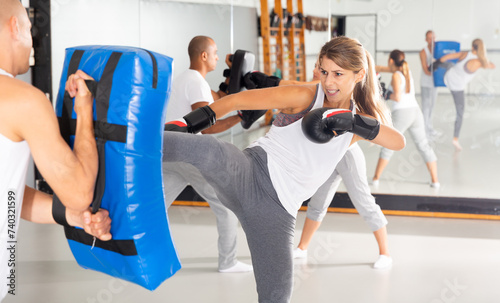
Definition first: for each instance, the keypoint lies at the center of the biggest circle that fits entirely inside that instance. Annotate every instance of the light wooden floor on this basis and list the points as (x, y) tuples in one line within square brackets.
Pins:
[(434, 259)]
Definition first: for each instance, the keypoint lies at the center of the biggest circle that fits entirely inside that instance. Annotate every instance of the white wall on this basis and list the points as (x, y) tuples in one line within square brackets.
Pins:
[(165, 27), (150, 24), (402, 24), (91, 22)]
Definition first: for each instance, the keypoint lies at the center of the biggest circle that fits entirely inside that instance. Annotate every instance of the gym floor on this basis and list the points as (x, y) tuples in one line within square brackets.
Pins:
[(435, 260)]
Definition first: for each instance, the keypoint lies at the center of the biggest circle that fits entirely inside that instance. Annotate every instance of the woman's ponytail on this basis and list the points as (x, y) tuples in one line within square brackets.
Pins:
[(478, 46), (406, 73), (367, 94)]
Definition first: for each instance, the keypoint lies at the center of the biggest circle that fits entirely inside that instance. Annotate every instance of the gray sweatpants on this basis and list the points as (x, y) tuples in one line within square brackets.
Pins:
[(351, 169), (178, 175), (242, 183), (429, 95), (459, 99), (411, 119)]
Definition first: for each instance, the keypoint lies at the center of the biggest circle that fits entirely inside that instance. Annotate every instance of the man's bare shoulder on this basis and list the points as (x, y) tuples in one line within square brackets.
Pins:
[(21, 107), (15, 92)]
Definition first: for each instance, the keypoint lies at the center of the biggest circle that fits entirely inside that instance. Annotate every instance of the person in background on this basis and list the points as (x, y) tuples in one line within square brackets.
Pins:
[(191, 91), (459, 75), (427, 89), (406, 115)]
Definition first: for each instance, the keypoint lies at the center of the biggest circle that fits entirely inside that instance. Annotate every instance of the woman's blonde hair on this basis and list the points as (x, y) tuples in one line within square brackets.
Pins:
[(478, 46), (399, 60), (349, 54)]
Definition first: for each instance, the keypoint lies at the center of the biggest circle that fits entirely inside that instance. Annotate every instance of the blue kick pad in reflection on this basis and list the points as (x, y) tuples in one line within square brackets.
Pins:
[(130, 93), (442, 48)]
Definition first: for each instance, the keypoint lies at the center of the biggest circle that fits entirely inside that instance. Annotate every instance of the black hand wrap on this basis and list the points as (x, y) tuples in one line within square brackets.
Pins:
[(438, 64), (386, 94), (59, 211), (200, 119), (223, 87), (365, 127)]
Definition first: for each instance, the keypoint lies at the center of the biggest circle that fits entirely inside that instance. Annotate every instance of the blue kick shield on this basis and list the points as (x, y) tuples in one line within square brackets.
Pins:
[(442, 48), (130, 93)]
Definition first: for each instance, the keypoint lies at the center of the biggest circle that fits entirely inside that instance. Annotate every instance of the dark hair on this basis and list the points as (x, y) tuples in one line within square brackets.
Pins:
[(198, 45), (399, 60)]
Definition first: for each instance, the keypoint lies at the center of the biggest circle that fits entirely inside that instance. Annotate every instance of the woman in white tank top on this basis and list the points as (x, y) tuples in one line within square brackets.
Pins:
[(265, 184), (406, 115), (458, 76)]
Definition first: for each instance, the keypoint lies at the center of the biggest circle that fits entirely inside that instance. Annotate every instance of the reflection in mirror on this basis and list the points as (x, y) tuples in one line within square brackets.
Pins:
[(393, 24), (403, 25)]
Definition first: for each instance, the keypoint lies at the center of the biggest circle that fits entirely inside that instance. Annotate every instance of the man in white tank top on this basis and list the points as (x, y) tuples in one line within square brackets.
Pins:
[(28, 122), (427, 89)]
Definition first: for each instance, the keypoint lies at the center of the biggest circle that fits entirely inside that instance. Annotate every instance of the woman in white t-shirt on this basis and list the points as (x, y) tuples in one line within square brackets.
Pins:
[(406, 115)]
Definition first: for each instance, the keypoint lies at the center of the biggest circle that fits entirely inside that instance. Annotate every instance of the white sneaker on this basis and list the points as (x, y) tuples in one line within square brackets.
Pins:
[(237, 268), (435, 133), (375, 183), (299, 253), (383, 262), (435, 185)]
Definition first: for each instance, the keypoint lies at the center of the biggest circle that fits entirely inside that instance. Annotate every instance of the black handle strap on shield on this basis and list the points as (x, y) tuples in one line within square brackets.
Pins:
[(104, 132)]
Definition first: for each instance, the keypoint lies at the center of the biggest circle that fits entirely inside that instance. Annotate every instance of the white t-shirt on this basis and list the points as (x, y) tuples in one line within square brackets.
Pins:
[(407, 100), (297, 166), (188, 88), (14, 159)]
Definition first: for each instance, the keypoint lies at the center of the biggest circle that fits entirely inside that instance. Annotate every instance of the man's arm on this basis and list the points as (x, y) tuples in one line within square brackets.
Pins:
[(70, 173), (218, 94), (423, 62), (37, 207)]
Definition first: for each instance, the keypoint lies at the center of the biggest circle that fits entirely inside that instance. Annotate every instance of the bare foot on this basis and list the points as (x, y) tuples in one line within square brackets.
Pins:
[(457, 145)]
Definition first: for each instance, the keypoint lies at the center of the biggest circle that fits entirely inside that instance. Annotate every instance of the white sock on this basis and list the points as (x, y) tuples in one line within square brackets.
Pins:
[(383, 262), (299, 253)]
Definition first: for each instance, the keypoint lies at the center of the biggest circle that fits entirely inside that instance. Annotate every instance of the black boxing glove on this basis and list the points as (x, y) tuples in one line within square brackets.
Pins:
[(319, 124), (248, 117), (194, 122), (439, 64), (259, 80), (386, 94)]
